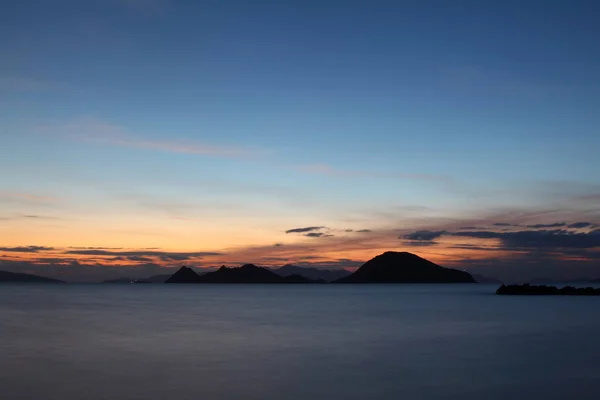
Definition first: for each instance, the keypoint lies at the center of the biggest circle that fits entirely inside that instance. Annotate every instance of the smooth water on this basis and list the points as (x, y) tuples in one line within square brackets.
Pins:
[(295, 342)]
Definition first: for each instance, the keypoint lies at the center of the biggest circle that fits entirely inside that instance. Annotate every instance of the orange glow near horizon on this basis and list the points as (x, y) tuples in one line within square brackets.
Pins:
[(270, 255)]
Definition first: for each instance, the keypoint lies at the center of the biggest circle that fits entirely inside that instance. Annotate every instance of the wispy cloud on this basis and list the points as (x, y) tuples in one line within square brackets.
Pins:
[(163, 255), (92, 130), (589, 197), (33, 216), (578, 225), (28, 197), (175, 147), (553, 225), (328, 170)]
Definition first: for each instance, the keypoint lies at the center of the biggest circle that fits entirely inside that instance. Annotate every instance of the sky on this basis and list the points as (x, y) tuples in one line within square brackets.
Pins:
[(137, 135)]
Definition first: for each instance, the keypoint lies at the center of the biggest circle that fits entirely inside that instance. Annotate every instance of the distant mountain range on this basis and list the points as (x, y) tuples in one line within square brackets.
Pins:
[(292, 273), (327, 275), (389, 267), (403, 267), (248, 273), (6, 276)]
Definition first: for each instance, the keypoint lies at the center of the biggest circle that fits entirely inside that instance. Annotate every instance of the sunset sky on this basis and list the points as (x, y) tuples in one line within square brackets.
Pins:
[(142, 134)]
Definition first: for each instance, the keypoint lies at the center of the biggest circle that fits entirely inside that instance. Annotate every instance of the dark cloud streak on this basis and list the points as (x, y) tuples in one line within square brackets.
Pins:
[(317, 234), (578, 225), (164, 255), (544, 239), (554, 225), (424, 235), (26, 249), (419, 243), (306, 229)]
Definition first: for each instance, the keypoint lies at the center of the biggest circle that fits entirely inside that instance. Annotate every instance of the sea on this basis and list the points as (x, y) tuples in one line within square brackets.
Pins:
[(217, 342)]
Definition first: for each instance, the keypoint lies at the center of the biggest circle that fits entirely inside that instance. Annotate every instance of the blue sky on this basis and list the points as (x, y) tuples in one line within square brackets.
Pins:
[(266, 115)]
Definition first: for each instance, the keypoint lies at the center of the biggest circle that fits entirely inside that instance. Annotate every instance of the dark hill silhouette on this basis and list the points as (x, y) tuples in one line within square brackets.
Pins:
[(184, 275), (314, 274), (6, 276), (248, 273), (403, 267)]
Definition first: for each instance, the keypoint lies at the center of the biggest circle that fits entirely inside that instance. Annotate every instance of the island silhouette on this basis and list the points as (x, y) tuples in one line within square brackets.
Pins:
[(527, 289), (389, 267), (404, 267)]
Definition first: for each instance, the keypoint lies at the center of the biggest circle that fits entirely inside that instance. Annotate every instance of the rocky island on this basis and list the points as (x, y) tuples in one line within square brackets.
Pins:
[(528, 289)]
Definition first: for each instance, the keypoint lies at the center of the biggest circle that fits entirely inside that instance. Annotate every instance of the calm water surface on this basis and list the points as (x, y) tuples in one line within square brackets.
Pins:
[(295, 342)]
